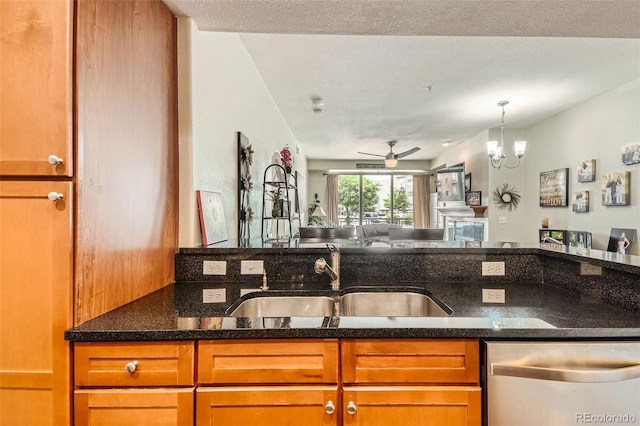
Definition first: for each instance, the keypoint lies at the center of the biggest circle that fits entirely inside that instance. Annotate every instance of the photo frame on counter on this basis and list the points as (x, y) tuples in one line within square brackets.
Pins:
[(554, 188), (212, 223)]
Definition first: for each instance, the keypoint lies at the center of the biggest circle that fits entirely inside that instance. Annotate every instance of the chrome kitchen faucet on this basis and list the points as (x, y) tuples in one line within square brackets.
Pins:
[(334, 270)]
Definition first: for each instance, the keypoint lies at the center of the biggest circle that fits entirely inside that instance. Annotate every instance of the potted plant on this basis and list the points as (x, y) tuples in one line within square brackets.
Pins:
[(275, 198)]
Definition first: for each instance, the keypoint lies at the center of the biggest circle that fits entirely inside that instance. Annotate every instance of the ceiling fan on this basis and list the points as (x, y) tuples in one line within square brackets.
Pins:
[(391, 159)]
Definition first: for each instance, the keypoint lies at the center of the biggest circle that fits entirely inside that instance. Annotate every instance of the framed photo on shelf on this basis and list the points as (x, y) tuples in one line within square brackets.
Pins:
[(586, 170), (615, 189), (473, 198), (554, 188), (212, 223), (580, 202)]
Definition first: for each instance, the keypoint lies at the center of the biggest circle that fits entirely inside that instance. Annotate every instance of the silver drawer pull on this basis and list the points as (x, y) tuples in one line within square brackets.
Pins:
[(55, 196), (54, 160), (351, 408), (329, 408), (131, 366)]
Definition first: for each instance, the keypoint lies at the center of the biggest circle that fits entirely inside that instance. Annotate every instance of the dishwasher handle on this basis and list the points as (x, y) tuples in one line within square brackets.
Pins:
[(597, 372)]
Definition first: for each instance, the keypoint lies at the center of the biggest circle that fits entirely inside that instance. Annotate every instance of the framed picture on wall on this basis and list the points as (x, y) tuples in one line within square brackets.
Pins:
[(473, 198), (580, 202), (554, 188), (631, 154), (586, 170), (615, 189)]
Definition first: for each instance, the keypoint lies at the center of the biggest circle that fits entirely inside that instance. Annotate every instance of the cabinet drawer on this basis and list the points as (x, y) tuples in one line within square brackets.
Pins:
[(158, 364), (109, 407), (269, 361), (408, 361)]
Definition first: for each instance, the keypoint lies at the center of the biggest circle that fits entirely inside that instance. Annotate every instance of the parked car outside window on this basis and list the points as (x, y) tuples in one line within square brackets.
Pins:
[(371, 217)]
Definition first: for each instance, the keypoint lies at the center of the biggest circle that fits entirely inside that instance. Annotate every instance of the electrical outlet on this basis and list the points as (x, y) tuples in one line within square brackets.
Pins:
[(251, 267), (492, 268), (588, 269), (493, 295), (214, 267), (214, 295)]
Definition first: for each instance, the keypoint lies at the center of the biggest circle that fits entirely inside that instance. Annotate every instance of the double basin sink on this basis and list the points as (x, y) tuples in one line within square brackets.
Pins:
[(356, 301)]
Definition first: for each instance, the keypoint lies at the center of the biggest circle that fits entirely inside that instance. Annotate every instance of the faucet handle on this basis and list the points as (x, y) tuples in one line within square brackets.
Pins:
[(320, 265)]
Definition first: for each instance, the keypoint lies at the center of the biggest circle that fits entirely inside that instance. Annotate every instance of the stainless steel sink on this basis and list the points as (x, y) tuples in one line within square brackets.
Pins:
[(285, 306), (390, 304), (350, 303)]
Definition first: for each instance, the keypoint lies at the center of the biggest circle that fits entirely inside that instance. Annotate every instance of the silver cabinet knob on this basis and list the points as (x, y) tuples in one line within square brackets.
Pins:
[(55, 196), (351, 408), (54, 160), (329, 408), (131, 366)]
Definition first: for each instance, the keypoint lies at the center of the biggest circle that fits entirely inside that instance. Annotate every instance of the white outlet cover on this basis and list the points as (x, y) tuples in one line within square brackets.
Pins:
[(214, 267), (251, 267)]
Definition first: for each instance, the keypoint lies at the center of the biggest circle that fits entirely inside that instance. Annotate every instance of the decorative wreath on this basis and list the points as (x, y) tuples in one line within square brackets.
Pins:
[(506, 197)]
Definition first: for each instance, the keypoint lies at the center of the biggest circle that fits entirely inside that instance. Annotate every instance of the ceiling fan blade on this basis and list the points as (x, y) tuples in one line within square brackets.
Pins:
[(376, 155), (409, 152)]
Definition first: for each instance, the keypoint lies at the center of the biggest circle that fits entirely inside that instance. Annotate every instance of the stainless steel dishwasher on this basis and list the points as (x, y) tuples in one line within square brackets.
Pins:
[(562, 383)]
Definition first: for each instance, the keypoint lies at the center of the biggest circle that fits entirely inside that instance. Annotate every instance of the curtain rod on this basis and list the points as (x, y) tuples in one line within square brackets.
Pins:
[(376, 172)]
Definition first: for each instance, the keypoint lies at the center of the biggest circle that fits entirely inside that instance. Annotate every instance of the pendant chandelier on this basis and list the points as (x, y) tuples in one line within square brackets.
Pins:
[(496, 151)]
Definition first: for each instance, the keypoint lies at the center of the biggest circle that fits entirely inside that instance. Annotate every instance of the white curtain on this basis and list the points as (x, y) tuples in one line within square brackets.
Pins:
[(332, 198), (421, 195)]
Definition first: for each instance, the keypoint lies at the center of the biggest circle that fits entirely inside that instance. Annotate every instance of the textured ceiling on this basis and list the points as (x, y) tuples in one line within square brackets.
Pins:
[(371, 60)]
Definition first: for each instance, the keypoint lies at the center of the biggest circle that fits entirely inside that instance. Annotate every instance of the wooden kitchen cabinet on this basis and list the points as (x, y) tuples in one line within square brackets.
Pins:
[(134, 383), (71, 75), (134, 407), (36, 45), (267, 406), (398, 381), (35, 302), (267, 382), (411, 405)]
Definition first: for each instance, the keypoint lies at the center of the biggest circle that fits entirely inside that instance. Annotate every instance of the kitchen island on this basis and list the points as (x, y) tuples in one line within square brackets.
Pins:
[(201, 366)]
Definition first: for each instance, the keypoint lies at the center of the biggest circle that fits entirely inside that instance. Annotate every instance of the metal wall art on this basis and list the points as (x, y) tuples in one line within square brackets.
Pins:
[(245, 185), (506, 197)]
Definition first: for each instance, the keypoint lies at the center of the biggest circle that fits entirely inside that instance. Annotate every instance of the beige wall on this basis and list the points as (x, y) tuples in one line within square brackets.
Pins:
[(222, 93)]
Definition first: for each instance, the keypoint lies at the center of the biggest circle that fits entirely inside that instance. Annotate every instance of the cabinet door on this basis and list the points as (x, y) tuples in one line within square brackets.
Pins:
[(134, 407), (35, 87), (267, 406), (35, 303), (412, 405)]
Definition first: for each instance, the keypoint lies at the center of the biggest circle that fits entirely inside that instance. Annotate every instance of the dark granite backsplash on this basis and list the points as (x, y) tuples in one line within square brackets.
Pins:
[(293, 269), (357, 268)]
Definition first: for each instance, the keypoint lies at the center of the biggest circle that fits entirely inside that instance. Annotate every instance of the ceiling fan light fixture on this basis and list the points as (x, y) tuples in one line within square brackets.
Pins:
[(390, 162)]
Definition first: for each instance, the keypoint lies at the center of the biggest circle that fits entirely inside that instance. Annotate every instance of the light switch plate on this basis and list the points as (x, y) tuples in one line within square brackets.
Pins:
[(251, 267)]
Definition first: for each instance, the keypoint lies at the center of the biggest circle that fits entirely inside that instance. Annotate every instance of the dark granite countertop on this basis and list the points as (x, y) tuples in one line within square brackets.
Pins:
[(532, 311)]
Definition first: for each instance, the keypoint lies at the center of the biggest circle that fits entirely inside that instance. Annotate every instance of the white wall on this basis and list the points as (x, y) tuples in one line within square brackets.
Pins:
[(596, 129), (221, 93)]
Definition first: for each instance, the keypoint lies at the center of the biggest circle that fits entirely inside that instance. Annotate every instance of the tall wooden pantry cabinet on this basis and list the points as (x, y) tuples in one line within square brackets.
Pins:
[(88, 181)]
